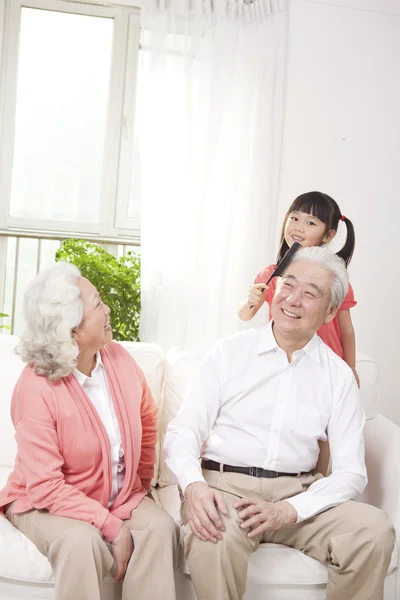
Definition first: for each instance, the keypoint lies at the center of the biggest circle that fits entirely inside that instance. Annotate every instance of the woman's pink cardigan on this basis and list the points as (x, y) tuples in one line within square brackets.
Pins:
[(63, 461)]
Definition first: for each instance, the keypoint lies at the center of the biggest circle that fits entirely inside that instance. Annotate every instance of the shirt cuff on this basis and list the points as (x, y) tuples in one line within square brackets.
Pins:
[(306, 505), (186, 473), (194, 479)]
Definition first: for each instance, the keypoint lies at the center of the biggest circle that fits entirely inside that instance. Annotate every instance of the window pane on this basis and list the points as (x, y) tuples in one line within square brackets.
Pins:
[(62, 96)]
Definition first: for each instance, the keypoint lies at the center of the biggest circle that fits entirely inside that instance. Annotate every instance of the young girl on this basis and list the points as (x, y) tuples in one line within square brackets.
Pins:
[(312, 220)]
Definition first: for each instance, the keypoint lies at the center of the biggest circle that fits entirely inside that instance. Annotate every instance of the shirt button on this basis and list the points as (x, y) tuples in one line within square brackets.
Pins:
[(121, 453), (120, 468)]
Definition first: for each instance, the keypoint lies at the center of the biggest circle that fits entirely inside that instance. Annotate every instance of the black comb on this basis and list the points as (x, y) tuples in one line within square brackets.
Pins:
[(281, 266)]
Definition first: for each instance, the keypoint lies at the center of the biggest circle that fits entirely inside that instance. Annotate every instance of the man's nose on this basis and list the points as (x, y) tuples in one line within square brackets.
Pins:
[(294, 298)]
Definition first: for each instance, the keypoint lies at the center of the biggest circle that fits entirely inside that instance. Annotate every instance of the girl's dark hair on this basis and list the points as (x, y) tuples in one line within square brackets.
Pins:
[(326, 210)]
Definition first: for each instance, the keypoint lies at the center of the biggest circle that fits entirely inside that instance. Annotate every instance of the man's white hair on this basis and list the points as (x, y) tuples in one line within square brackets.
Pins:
[(332, 263), (53, 308)]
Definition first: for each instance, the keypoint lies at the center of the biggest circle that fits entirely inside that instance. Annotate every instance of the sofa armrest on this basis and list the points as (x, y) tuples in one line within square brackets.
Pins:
[(382, 455)]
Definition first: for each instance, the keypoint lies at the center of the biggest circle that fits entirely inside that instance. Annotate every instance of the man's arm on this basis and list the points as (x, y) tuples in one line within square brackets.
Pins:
[(193, 423), (346, 439), (182, 445)]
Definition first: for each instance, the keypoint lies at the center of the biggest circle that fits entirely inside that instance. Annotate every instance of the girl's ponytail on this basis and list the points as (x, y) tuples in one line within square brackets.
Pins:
[(347, 251)]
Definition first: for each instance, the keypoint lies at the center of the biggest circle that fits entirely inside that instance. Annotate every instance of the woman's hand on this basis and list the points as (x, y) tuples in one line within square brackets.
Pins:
[(122, 548)]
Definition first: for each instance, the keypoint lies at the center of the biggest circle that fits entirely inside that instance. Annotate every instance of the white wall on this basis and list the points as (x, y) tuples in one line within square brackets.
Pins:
[(342, 137)]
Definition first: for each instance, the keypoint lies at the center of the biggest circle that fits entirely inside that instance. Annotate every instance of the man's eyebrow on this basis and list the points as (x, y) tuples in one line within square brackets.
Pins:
[(313, 285), (316, 288)]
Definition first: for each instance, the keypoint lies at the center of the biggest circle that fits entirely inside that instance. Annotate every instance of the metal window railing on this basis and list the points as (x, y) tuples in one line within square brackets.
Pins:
[(13, 262)]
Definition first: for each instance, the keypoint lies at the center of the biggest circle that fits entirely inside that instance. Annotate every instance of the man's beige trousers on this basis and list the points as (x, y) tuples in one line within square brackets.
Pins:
[(81, 558), (354, 540)]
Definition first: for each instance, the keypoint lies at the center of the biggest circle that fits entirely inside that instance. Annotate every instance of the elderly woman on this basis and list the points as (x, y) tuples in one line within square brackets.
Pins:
[(86, 431)]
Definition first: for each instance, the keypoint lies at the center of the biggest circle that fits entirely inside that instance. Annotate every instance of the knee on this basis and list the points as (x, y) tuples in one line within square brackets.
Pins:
[(376, 531), (215, 552), (78, 540), (381, 531), (165, 526)]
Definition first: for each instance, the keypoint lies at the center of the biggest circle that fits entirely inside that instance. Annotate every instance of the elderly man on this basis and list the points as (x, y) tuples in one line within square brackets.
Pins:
[(262, 401)]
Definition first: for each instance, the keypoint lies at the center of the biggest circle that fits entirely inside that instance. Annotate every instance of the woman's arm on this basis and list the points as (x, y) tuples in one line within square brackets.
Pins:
[(348, 339)]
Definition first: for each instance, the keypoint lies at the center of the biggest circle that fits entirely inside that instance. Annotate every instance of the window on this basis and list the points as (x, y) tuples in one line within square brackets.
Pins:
[(61, 116), (68, 88)]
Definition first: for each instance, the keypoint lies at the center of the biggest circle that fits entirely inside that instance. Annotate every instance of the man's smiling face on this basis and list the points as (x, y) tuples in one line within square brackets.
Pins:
[(301, 302)]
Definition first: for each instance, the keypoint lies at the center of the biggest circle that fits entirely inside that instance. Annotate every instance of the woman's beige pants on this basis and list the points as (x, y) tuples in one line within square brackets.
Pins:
[(80, 557)]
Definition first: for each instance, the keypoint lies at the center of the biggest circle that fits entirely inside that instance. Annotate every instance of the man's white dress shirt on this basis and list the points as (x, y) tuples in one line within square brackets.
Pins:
[(255, 409), (96, 388)]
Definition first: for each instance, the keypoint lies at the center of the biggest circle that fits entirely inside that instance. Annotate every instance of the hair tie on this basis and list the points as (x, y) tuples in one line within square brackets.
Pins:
[(342, 218)]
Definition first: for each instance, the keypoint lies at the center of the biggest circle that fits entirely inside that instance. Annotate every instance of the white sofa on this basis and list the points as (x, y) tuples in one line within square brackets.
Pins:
[(275, 572)]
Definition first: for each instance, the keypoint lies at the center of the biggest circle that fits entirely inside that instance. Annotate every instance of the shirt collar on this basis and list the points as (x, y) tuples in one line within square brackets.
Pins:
[(81, 377), (267, 343)]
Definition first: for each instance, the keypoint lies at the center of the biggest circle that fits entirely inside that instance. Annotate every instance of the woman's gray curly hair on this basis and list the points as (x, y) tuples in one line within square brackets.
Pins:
[(53, 308)]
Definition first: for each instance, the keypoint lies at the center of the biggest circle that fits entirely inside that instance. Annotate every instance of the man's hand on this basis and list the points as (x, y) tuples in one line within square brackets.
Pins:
[(261, 516), (203, 505), (122, 548)]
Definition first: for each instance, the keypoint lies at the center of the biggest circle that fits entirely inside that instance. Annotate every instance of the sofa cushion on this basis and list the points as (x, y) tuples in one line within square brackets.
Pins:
[(21, 561), (181, 365)]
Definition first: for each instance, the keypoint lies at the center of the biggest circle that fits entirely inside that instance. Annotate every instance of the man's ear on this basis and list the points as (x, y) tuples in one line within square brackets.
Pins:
[(331, 313)]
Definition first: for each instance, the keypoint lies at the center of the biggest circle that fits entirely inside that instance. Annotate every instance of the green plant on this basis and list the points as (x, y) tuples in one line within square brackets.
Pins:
[(117, 281), (4, 326)]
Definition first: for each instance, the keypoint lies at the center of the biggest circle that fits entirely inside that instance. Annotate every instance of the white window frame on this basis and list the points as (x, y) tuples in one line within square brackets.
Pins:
[(118, 147)]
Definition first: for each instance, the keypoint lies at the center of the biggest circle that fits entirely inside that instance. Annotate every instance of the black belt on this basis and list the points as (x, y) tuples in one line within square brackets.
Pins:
[(212, 465)]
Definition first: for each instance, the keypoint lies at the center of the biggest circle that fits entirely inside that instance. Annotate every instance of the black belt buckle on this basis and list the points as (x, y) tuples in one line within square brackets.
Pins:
[(259, 472), (256, 471)]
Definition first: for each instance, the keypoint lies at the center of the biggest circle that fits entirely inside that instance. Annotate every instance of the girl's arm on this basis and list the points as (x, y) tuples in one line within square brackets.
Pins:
[(348, 340), (254, 301)]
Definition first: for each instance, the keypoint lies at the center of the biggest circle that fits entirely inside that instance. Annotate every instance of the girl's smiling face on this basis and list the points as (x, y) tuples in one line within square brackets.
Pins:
[(307, 230)]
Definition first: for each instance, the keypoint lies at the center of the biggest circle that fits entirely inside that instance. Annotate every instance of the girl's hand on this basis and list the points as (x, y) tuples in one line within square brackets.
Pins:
[(255, 294)]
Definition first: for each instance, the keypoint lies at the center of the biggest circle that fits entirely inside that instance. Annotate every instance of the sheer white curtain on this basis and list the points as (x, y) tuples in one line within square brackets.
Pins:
[(209, 123)]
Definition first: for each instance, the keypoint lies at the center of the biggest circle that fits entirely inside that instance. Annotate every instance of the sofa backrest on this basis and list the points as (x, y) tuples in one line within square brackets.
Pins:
[(180, 367), (150, 359)]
